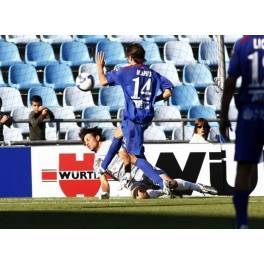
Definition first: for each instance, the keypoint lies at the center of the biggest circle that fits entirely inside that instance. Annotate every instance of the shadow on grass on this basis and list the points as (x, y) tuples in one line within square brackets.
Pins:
[(98, 220)]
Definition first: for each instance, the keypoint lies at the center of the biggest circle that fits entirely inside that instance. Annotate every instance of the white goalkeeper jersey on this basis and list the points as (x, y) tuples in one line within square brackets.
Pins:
[(116, 167)]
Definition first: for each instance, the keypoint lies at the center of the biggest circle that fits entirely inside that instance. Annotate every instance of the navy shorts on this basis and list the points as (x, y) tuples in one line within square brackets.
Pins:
[(133, 136), (250, 134)]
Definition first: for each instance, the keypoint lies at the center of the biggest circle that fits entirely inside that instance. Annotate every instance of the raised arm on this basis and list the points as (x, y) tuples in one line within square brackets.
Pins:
[(100, 66)]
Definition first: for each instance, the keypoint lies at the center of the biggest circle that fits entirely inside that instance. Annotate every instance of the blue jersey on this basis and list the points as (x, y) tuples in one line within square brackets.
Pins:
[(140, 85), (248, 61)]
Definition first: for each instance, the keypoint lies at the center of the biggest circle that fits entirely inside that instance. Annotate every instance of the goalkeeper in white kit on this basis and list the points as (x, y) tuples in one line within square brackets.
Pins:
[(141, 186)]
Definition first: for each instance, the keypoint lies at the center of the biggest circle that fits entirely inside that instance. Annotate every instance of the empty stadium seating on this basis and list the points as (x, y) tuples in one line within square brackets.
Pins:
[(21, 39), (89, 39), (11, 99), (160, 39), (39, 54), (9, 54), (56, 39), (21, 113), (74, 53)]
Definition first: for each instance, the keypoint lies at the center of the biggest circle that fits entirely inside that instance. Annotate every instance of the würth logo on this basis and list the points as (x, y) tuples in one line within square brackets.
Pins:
[(75, 177)]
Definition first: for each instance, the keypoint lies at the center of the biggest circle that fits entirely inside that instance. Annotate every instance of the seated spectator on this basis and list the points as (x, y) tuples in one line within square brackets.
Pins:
[(201, 131), (36, 119), (5, 119)]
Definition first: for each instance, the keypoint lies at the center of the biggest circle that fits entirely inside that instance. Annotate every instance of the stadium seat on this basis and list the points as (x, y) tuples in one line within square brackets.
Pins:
[(97, 112), (231, 39), (160, 39), (154, 133), (212, 96), (125, 38), (22, 76), (91, 68), (11, 99), (39, 54), (194, 39), (47, 95), (74, 53), (113, 51), (73, 134), (168, 70), (21, 39), (58, 76), (9, 54), (72, 96), (21, 113), (2, 82), (89, 39), (108, 133), (184, 97), (56, 39), (198, 75), (12, 134), (63, 113), (202, 111), (208, 53), (111, 96), (177, 133), (178, 52), (152, 53), (167, 112)]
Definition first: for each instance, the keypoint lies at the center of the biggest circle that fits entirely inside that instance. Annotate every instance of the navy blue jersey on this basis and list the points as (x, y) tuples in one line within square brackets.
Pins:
[(248, 61), (140, 85)]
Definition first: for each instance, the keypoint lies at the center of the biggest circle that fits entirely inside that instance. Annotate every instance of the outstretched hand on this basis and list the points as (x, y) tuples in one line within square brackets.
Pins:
[(100, 59)]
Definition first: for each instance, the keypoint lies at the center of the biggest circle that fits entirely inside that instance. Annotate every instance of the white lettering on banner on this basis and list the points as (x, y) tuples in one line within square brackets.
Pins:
[(204, 163)]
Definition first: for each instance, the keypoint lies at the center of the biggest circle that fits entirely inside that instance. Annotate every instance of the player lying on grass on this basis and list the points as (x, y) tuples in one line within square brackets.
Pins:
[(141, 186)]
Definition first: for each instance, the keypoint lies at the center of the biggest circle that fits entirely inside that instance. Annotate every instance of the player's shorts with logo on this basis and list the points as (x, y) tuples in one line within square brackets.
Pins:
[(250, 133)]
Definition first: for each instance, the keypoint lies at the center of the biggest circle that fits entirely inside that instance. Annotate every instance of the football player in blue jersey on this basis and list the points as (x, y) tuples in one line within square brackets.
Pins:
[(142, 87), (247, 61)]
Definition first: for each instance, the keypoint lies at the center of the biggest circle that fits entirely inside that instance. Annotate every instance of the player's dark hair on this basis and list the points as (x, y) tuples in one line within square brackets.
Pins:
[(95, 131), (201, 122), (36, 98), (136, 52)]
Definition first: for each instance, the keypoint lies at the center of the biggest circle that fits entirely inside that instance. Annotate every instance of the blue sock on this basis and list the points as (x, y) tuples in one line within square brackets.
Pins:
[(115, 146), (149, 171), (240, 201)]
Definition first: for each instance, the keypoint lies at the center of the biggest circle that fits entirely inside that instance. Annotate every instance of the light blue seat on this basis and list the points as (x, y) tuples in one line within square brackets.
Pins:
[(178, 134), (125, 38), (21, 39), (58, 76), (201, 111), (11, 99), (194, 39), (2, 82), (160, 39), (79, 100), (208, 53), (154, 133), (168, 70), (212, 96), (39, 54), (97, 112), (178, 52), (47, 94), (111, 96), (167, 112), (22, 76), (184, 97), (152, 53), (198, 75), (56, 39), (9, 54), (21, 113), (108, 133), (74, 53), (231, 39), (89, 39), (73, 134), (63, 113), (12, 134), (113, 51)]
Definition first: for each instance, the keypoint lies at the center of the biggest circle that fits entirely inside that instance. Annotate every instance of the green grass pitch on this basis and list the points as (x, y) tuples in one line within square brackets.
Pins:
[(187, 212)]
